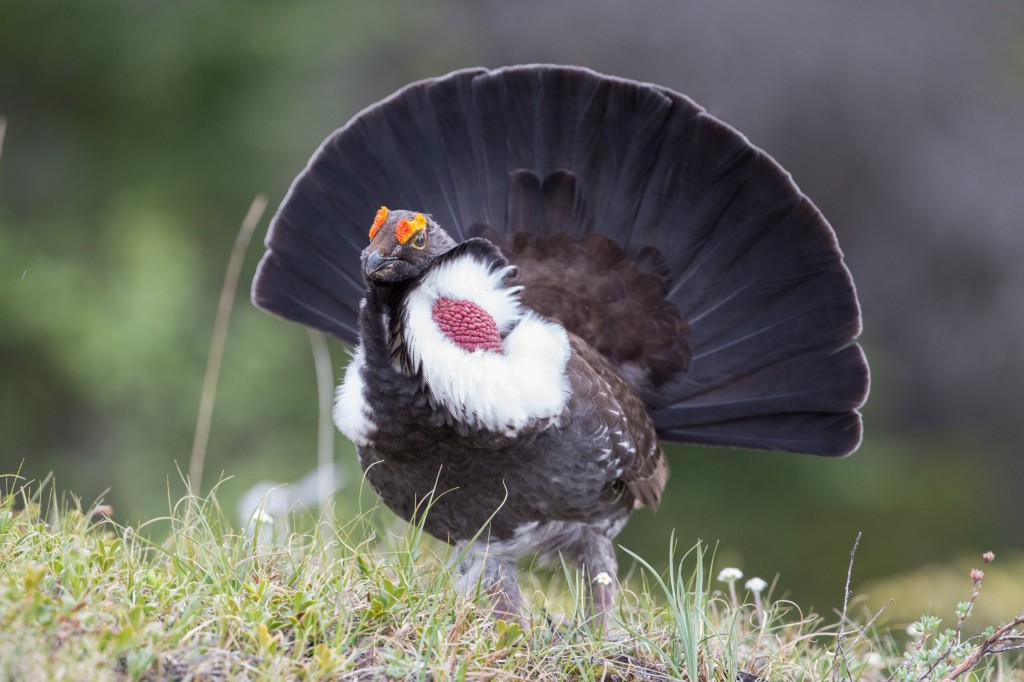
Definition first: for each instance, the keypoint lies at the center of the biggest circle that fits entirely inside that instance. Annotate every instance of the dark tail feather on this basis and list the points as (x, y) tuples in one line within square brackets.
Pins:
[(702, 219), (817, 433), (303, 301), (306, 275), (769, 402)]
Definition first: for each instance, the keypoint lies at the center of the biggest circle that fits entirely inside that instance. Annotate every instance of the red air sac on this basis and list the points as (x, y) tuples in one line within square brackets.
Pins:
[(467, 325)]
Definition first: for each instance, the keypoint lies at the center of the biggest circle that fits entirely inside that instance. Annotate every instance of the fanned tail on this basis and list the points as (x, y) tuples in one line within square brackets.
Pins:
[(652, 230)]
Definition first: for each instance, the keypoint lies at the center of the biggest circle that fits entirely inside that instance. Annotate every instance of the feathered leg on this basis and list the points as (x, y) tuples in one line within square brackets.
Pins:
[(594, 553), (495, 575)]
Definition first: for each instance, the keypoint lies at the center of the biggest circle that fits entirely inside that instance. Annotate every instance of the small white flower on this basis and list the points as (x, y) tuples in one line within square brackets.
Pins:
[(729, 575), (913, 631), (756, 585), (875, 660), (603, 578)]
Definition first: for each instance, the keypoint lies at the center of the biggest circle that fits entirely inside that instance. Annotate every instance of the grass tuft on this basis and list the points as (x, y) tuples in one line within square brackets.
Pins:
[(84, 598)]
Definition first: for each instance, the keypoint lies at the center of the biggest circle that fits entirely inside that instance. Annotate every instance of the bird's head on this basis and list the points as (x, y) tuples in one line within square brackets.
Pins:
[(402, 245)]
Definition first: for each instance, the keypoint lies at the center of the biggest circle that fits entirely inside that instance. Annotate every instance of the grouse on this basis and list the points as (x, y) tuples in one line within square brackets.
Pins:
[(562, 271)]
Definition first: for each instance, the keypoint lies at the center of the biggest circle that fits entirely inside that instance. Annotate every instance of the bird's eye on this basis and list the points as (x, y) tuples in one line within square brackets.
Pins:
[(420, 240)]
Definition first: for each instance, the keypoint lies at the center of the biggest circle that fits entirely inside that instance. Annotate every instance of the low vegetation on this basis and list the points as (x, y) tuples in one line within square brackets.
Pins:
[(82, 598)]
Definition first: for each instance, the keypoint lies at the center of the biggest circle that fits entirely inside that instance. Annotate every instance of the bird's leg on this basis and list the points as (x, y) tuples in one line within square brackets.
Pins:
[(595, 555), (496, 575)]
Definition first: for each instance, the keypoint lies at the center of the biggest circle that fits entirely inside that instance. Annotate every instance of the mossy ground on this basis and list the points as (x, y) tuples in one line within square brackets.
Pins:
[(84, 599)]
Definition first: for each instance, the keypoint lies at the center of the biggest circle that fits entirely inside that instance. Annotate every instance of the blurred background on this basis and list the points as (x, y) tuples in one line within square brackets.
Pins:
[(138, 133)]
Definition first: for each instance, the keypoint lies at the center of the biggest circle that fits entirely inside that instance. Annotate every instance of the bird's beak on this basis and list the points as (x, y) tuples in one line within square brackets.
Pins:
[(375, 262)]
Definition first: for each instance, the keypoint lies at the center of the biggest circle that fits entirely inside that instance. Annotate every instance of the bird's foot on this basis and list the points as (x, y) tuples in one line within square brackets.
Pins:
[(507, 604), (495, 576)]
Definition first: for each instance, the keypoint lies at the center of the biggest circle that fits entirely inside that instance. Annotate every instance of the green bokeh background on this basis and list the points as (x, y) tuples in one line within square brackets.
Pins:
[(138, 133)]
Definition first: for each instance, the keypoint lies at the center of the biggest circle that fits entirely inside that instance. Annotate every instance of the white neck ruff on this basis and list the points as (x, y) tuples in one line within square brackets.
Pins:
[(503, 392)]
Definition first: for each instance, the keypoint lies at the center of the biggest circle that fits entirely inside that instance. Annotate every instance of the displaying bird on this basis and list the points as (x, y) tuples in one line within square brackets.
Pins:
[(574, 269)]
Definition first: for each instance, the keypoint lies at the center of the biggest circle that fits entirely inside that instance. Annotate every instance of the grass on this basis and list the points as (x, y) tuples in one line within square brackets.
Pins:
[(84, 599)]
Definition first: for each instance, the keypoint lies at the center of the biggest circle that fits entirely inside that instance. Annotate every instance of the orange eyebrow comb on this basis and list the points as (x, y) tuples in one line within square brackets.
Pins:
[(407, 228), (382, 215)]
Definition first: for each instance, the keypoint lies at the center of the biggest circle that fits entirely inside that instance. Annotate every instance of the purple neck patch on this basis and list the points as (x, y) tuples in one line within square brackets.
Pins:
[(467, 325)]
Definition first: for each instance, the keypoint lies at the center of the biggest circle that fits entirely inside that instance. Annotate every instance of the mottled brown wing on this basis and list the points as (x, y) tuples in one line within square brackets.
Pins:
[(634, 443)]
